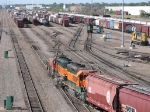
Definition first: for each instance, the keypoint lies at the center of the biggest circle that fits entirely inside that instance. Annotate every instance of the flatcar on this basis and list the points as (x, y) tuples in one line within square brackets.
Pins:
[(101, 90)]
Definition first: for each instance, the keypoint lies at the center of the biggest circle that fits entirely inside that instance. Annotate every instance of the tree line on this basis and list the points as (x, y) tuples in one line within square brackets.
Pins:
[(95, 4)]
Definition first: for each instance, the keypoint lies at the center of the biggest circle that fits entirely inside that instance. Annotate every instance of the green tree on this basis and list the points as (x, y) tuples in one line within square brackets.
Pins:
[(142, 3), (142, 13)]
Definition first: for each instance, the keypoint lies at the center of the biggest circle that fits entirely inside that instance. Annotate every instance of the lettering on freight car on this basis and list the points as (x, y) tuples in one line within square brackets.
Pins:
[(108, 96), (89, 89)]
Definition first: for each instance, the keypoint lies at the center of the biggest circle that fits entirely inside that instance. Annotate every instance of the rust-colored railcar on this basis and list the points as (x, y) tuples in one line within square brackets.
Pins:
[(146, 29), (134, 99), (114, 94), (19, 23)]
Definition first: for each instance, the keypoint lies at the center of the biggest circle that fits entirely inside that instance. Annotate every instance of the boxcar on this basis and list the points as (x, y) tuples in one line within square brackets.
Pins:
[(103, 22), (19, 23), (146, 29), (125, 24), (111, 23), (65, 22), (116, 25)]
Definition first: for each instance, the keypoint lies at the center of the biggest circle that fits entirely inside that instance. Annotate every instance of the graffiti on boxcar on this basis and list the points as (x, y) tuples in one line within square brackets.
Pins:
[(127, 108)]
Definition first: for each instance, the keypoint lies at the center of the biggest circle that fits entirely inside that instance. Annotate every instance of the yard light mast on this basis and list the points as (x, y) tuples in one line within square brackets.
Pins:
[(122, 24)]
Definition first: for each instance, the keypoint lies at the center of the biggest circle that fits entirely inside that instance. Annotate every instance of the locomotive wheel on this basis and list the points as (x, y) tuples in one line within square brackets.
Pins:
[(52, 73), (59, 82), (76, 94)]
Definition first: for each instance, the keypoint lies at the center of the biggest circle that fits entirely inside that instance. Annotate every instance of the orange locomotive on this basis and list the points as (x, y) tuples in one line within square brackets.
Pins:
[(69, 75)]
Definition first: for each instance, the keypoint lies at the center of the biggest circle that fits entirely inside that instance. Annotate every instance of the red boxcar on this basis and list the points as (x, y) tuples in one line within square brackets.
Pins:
[(132, 100)]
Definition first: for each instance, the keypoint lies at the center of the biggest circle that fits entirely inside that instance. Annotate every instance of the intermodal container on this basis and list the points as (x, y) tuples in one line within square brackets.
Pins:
[(111, 23)]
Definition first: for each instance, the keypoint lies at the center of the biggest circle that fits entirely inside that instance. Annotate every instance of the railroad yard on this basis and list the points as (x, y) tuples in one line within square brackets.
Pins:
[(28, 75)]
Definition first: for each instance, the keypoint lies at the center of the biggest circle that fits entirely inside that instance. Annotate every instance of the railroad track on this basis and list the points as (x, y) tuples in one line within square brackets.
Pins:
[(56, 42), (75, 37), (133, 75), (65, 28), (94, 65), (119, 57), (71, 100), (33, 99), (76, 103)]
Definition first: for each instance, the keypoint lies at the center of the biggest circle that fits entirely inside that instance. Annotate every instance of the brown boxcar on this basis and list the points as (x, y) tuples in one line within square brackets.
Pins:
[(19, 23), (126, 13), (79, 18), (102, 90), (107, 24), (146, 29), (138, 27), (118, 12), (103, 23), (65, 22), (124, 26), (132, 100), (88, 20)]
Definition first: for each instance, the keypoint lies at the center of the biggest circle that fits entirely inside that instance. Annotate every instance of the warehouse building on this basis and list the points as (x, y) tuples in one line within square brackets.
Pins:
[(32, 6), (133, 10)]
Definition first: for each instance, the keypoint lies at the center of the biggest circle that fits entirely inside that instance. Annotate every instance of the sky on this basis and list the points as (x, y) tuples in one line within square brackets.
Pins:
[(65, 1)]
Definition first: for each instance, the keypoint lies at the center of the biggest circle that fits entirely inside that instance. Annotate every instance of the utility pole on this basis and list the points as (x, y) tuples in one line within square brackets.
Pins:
[(91, 6), (122, 24)]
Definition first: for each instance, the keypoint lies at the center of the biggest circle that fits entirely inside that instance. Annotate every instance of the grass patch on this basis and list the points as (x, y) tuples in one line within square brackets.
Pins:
[(131, 17)]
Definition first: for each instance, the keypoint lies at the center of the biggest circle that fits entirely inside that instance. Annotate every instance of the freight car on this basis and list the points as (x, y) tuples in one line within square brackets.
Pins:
[(43, 21), (99, 89), (64, 21), (33, 20), (116, 23), (19, 23)]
